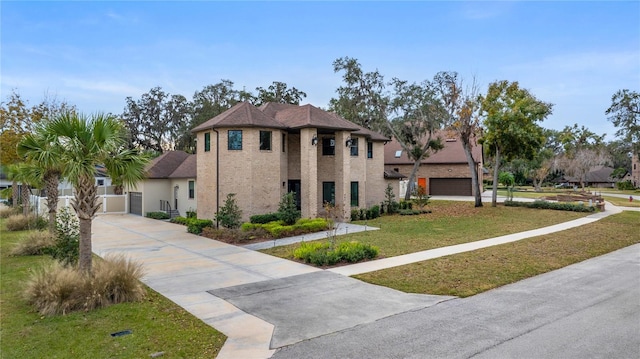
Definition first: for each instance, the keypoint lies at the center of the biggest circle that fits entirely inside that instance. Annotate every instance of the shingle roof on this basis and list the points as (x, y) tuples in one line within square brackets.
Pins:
[(187, 169), (393, 174), (451, 153), (310, 116), (165, 164), (242, 114), (374, 136)]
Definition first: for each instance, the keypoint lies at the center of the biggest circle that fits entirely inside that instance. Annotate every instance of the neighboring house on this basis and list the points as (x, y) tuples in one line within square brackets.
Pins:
[(262, 153), (445, 172), (635, 170), (597, 177), (170, 185)]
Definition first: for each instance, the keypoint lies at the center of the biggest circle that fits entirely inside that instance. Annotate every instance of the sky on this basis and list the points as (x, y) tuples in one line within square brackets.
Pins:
[(95, 54)]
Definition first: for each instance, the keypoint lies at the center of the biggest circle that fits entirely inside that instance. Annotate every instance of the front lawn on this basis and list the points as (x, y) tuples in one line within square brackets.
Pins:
[(469, 273), (449, 223), (156, 324)]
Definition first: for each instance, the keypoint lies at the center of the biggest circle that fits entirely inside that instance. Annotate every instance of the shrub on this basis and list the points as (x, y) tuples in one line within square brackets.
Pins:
[(373, 212), (624, 185), (321, 254), (287, 209), (233, 235), (551, 205), (195, 225), (390, 204), (229, 215), (421, 197), (56, 289), (355, 251), (192, 214), (116, 279), (59, 289), (158, 215), (6, 212), (355, 214), (34, 243), (20, 222), (265, 218), (66, 248), (180, 220)]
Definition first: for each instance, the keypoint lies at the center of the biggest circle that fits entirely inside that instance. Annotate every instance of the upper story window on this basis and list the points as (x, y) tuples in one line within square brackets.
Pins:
[(265, 140), (207, 142), (235, 140), (369, 149), (354, 147), (328, 146)]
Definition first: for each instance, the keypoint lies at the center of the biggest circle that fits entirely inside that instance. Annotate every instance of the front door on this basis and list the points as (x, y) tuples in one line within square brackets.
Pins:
[(422, 182), (294, 186)]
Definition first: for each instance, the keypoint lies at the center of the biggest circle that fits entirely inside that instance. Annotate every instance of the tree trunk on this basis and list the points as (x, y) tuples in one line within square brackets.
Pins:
[(84, 258), (496, 169), (51, 183), (85, 203), (412, 178), (26, 199), (475, 184), (15, 194)]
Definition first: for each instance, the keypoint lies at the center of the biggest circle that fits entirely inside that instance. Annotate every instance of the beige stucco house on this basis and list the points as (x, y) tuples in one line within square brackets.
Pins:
[(170, 185), (445, 172), (261, 153)]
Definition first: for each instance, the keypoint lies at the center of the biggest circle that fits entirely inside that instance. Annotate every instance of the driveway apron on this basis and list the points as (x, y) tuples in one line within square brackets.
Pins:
[(259, 301)]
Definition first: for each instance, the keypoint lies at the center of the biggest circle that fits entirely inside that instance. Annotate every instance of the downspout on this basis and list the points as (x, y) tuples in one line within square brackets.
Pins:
[(217, 175)]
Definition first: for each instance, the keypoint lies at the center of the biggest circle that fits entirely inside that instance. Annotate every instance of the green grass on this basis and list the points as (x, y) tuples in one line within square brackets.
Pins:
[(157, 324), (469, 273), (449, 223)]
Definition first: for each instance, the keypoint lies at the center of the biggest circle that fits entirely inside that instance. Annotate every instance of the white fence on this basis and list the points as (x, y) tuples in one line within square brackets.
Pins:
[(110, 203)]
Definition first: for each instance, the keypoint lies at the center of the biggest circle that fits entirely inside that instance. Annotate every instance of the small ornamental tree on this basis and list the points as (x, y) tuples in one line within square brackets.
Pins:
[(421, 197), (390, 200), (287, 209), (230, 215)]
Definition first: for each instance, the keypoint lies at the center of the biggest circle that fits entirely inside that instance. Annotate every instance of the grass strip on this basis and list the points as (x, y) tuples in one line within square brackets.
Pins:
[(470, 273), (156, 324), (449, 223)]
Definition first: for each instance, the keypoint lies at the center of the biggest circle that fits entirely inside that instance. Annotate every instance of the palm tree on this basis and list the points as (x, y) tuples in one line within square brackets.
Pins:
[(41, 150), (85, 142), (26, 175)]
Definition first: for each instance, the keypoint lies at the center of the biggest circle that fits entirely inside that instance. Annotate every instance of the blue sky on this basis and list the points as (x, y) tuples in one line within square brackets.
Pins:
[(573, 54)]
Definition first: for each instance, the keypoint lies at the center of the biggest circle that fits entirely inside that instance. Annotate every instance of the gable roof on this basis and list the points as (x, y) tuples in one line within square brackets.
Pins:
[(187, 169), (243, 114), (596, 174), (451, 153), (167, 163)]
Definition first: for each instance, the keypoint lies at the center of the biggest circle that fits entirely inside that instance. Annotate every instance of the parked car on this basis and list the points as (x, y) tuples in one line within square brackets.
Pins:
[(563, 185)]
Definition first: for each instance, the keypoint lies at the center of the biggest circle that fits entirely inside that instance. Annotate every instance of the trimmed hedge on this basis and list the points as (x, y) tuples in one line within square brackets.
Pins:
[(158, 215), (194, 225), (277, 229), (551, 205), (265, 218), (321, 254)]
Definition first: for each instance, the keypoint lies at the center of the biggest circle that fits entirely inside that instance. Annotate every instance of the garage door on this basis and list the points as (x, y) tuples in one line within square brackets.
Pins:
[(450, 187), (135, 203)]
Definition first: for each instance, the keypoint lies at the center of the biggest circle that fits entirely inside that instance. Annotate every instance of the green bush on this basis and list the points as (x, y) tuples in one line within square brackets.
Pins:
[(355, 214), (624, 185), (373, 212), (287, 209), (230, 215), (265, 218), (158, 215), (234, 235), (180, 220), (195, 225), (278, 229), (66, 248), (355, 251), (192, 214), (540, 204), (321, 254)]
